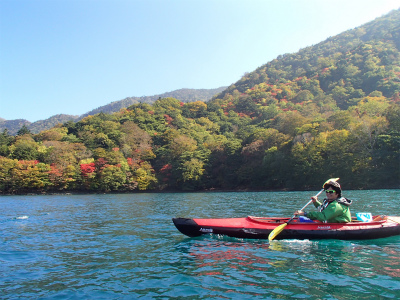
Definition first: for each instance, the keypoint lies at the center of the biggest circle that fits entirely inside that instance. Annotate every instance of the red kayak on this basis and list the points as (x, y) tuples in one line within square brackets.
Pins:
[(260, 227)]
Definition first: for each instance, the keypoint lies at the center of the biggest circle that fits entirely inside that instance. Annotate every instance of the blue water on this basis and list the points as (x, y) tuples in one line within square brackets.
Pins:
[(126, 247)]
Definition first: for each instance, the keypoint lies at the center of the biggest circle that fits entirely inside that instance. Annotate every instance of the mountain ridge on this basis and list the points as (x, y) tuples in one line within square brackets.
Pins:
[(184, 94)]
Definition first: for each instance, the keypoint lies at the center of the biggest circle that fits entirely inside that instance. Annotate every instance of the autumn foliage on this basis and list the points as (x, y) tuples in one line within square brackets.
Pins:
[(331, 110)]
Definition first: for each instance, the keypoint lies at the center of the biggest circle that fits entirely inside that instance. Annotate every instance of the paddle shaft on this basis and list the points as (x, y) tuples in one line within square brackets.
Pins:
[(308, 203), (319, 193)]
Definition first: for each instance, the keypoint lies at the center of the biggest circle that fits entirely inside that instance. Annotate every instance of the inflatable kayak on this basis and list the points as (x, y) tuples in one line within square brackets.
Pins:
[(260, 227)]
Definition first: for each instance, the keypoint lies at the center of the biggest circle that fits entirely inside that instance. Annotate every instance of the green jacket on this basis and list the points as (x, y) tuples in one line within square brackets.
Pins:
[(337, 211)]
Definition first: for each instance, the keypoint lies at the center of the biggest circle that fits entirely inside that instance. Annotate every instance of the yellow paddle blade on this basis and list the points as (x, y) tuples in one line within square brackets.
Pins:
[(276, 231)]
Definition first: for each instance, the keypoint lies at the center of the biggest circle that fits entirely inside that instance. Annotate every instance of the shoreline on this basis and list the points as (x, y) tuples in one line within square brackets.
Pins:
[(66, 193)]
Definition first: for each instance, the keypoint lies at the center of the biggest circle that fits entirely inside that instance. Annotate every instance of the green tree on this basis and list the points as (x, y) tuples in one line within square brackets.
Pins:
[(111, 178), (53, 134), (328, 154), (7, 183), (144, 175), (195, 109), (24, 130), (192, 170), (24, 148), (5, 141), (288, 122), (31, 175)]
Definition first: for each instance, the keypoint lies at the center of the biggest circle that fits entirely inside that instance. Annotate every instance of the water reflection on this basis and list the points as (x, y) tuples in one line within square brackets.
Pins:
[(291, 267)]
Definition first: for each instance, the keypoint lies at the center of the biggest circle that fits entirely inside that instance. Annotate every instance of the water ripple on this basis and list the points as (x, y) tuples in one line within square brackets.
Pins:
[(126, 247)]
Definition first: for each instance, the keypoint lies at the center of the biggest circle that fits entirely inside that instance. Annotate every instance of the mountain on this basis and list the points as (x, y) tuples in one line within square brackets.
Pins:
[(345, 67), (41, 125), (13, 126), (184, 95)]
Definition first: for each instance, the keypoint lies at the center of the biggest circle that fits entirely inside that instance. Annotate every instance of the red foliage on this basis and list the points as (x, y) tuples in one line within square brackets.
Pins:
[(87, 169), (25, 164), (54, 171), (166, 168), (168, 119), (101, 163), (134, 163), (324, 70)]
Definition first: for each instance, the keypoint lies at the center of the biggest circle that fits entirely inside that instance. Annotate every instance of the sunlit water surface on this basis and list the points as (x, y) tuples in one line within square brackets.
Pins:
[(126, 247)]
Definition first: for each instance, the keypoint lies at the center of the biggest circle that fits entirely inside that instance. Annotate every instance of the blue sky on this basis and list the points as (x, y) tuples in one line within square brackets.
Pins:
[(72, 56)]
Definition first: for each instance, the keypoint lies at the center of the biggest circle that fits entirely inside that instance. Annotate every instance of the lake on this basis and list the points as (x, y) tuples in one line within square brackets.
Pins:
[(125, 246)]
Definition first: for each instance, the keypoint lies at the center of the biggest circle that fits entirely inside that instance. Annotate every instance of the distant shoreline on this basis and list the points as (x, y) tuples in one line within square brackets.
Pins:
[(177, 191)]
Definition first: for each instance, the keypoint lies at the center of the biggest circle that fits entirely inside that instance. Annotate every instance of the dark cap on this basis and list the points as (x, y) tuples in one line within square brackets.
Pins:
[(335, 186)]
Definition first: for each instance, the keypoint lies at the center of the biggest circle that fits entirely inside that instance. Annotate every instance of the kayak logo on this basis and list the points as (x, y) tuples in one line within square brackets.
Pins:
[(324, 227), (206, 230)]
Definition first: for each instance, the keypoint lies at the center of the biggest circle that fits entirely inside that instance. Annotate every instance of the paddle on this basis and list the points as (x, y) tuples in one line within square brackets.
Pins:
[(279, 229)]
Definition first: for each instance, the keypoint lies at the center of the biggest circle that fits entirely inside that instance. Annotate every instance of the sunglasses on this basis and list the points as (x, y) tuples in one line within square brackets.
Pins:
[(329, 192)]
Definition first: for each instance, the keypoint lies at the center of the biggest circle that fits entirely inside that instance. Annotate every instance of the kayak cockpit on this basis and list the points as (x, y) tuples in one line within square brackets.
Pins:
[(277, 220)]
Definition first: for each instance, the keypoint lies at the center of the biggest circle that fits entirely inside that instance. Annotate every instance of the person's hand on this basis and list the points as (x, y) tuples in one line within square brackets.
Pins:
[(314, 199), (299, 213)]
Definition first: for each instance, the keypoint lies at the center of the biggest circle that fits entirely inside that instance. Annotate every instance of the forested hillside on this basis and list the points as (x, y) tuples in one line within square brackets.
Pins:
[(330, 110), (184, 95)]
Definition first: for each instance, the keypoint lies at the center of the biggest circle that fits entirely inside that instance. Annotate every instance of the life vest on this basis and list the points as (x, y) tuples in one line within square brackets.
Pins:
[(341, 200)]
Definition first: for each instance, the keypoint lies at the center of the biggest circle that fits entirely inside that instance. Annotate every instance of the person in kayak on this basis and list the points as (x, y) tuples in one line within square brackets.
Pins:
[(334, 209)]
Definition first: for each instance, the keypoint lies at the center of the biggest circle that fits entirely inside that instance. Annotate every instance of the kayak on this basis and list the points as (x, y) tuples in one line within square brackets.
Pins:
[(260, 227)]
